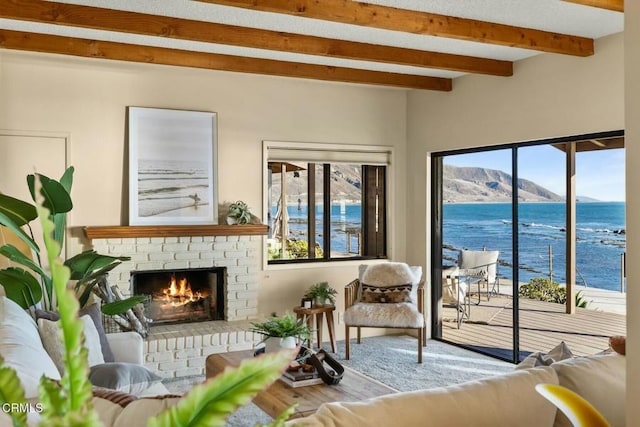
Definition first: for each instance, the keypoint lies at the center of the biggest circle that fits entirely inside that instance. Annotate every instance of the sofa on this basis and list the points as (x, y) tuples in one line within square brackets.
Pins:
[(506, 400), (129, 392)]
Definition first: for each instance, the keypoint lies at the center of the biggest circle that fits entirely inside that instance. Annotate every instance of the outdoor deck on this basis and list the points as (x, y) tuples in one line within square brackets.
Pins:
[(542, 326)]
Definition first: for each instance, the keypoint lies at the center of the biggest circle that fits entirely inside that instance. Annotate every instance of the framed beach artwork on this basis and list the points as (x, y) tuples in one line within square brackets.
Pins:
[(172, 166)]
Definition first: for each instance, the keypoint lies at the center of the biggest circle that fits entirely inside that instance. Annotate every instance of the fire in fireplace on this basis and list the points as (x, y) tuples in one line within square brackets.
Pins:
[(187, 295)]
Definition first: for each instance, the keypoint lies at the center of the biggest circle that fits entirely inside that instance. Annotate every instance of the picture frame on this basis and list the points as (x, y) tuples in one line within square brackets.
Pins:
[(172, 166)]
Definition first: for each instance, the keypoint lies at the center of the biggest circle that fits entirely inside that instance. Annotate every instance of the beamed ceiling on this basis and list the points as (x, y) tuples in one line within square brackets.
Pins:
[(420, 44)]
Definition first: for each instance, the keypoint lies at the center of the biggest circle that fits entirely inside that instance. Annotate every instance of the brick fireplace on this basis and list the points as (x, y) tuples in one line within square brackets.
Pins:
[(175, 350)]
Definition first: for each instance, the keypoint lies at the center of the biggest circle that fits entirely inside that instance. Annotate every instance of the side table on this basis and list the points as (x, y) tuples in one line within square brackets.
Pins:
[(327, 311)]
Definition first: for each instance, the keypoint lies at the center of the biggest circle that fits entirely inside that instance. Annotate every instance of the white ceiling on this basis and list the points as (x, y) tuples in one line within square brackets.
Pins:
[(549, 15)]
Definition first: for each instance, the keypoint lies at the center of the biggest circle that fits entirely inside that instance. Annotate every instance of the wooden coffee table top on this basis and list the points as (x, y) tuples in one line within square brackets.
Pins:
[(278, 397)]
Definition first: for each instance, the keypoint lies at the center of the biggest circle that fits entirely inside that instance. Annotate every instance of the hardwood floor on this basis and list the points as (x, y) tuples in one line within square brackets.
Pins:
[(542, 326)]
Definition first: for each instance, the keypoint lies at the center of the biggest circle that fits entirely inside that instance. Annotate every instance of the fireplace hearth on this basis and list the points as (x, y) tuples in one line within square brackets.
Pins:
[(182, 295)]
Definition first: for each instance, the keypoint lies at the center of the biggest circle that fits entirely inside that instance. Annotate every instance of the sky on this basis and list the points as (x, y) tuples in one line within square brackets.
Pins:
[(599, 174)]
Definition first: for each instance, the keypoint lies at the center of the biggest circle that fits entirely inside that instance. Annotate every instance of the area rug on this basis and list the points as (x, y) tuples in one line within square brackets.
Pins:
[(391, 360)]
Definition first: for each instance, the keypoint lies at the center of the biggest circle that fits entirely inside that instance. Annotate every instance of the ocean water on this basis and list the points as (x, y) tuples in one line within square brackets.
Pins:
[(342, 218), (599, 245)]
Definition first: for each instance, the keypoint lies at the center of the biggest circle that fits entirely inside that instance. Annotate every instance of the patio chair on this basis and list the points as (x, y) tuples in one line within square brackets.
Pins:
[(480, 268), (455, 293), (388, 295)]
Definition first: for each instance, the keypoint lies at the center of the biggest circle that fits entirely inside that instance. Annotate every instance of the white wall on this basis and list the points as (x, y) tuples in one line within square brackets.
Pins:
[(632, 137), (86, 99)]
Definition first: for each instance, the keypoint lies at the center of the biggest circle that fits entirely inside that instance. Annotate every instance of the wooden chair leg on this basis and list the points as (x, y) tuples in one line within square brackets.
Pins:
[(420, 331), (359, 336), (346, 342)]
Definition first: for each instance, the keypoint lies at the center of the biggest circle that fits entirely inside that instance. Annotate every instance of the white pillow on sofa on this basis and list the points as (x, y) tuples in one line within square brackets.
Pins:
[(601, 380), (22, 349), (52, 341)]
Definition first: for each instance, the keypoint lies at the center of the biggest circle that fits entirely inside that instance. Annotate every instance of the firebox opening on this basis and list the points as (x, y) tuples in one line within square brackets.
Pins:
[(185, 295)]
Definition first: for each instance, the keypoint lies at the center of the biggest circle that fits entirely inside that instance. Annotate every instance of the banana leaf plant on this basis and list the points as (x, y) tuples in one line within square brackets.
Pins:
[(30, 283), (69, 403)]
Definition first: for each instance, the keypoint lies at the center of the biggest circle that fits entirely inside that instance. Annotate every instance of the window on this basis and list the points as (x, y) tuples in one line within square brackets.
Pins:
[(325, 208)]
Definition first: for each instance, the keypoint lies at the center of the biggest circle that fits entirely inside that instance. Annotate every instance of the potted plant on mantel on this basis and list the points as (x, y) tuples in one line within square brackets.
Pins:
[(286, 331), (238, 213), (320, 293)]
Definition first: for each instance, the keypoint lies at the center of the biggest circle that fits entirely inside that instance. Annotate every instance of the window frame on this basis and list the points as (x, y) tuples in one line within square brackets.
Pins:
[(334, 151)]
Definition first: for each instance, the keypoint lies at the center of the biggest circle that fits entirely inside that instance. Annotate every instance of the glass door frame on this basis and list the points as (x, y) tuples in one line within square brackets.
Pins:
[(436, 222)]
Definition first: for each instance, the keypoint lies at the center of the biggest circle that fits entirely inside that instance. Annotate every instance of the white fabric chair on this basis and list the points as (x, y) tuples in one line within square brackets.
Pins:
[(480, 268), (389, 282)]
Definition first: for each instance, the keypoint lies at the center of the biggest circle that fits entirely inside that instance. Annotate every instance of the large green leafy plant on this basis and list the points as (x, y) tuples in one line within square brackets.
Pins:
[(282, 327), (31, 283), (69, 403)]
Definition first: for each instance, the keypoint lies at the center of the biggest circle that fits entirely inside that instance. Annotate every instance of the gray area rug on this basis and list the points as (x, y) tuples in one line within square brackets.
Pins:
[(391, 360)]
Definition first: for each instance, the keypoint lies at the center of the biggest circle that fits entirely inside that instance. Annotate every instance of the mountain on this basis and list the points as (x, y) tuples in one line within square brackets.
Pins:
[(345, 184), (471, 184), (461, 184)]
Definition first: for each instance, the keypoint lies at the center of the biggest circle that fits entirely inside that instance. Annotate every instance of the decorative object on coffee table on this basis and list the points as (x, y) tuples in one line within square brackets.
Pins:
[(301, 373), (317, 312), (320, 293), (286, 331)]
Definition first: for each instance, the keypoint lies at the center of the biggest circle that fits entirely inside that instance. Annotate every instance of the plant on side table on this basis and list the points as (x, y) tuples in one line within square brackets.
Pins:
[(286, 331), (320, 293)]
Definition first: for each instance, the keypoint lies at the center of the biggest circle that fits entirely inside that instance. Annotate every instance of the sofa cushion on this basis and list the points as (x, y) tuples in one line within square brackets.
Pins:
[(125, 377), (504, 400), (22, 349), (539, 358), (390, 274), (137, 413), (92, 311), (600, 379), (386, 294), (398, 315), (52, 340)]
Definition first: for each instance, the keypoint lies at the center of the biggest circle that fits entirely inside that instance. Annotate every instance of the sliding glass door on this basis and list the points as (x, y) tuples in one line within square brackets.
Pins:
[(476, 250), (528, 245)]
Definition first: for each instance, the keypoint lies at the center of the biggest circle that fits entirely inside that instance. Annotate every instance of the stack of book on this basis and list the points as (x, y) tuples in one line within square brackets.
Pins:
[(300, 378)]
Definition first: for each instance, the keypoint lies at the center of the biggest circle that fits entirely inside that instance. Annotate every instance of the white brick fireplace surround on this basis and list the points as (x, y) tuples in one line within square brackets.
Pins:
[(180, 350)]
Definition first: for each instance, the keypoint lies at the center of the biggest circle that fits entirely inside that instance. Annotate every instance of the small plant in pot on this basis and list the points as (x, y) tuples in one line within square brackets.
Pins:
[(286, 331), (320, 293), (238, 213)]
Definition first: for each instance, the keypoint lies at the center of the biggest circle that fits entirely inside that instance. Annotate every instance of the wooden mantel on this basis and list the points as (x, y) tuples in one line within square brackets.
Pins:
[(114, 232)]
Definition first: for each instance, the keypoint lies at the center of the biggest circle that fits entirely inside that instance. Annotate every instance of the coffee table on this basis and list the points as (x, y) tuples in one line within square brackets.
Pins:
[(278, 397)]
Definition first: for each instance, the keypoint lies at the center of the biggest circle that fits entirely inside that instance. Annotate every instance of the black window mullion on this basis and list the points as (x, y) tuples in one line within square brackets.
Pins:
[(326, 218), (311, 209)]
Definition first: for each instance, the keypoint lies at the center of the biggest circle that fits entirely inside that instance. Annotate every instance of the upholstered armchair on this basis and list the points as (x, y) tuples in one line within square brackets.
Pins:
[(389, 295)]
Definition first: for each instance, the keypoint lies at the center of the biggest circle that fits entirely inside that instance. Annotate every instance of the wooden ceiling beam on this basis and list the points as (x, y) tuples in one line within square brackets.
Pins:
[(615, 5), (18, 40), (430, 24), (184, 29)]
